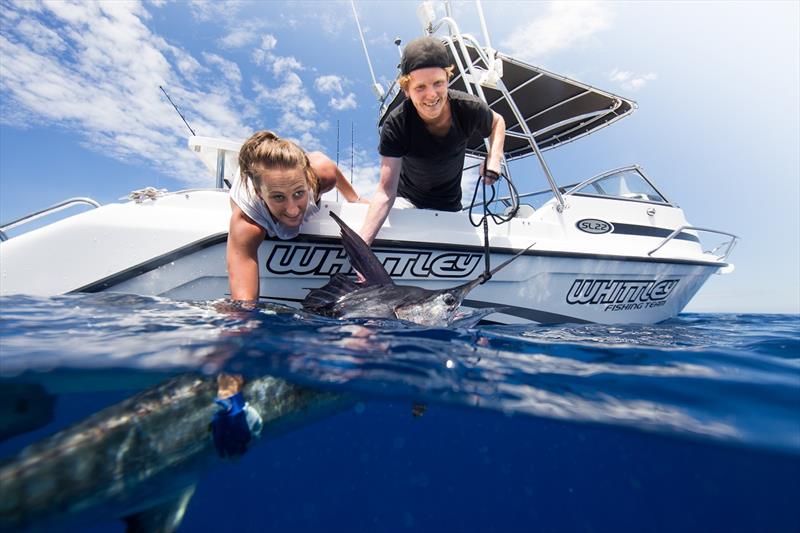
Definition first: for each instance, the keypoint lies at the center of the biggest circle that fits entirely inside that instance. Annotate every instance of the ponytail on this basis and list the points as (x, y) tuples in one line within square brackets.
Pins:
[(264, 150)]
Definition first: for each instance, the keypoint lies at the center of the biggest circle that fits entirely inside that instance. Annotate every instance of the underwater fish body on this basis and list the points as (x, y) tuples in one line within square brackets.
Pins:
[(140, 459)]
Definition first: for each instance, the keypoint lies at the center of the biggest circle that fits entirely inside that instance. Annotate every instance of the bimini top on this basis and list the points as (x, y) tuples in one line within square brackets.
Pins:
[(556, 109)]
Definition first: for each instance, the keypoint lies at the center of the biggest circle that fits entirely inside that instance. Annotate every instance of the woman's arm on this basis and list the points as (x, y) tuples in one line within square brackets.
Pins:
[(331, 176), (347, 189), (244, 238)]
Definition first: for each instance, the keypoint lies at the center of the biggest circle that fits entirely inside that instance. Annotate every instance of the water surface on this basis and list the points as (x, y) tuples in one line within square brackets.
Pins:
[(691, 424)]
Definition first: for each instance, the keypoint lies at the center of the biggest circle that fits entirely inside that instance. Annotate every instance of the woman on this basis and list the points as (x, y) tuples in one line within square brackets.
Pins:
[(278, 188)]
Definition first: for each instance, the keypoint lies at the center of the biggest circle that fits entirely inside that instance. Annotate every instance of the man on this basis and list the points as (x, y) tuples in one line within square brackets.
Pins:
[(423, 140)]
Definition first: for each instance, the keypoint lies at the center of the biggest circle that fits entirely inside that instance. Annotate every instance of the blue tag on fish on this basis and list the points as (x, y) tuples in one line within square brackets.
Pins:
[(230, 427)]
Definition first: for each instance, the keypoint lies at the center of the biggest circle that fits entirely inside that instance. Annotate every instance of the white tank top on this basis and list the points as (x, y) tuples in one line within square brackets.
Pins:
[(244, 195)]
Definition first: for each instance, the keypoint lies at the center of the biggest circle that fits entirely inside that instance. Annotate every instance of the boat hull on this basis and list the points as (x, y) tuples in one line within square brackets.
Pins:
[(537, 287), (175, 247)]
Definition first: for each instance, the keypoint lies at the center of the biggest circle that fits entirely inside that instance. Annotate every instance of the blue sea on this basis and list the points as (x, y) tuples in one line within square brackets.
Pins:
[(688, 425)]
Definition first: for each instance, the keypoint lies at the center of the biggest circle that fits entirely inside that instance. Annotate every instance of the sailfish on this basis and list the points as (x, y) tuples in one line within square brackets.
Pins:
[(379, 297), (140, 460)]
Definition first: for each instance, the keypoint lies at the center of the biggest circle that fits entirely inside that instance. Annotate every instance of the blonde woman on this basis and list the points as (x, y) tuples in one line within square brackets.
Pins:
[(278, 188)]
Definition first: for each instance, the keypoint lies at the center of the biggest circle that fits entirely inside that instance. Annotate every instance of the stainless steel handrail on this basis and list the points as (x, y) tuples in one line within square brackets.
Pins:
[(44, 212), (728, 250), (501, 86), (507, 199)]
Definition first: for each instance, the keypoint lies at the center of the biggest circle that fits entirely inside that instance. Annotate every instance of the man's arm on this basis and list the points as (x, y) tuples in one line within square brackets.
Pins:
[(383, 199), (244, 238), (497, 139)]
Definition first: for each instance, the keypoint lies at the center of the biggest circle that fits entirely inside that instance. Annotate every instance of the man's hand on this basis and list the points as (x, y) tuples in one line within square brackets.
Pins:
[(490, 176), (490, 168)]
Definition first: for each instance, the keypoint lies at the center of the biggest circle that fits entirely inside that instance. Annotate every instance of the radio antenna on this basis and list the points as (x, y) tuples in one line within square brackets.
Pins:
[(352, 151), (337, 153), (377, 88), (176, 109)]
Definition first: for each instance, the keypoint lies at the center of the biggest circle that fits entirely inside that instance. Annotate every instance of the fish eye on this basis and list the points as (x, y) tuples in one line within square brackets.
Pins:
[(449, 299)]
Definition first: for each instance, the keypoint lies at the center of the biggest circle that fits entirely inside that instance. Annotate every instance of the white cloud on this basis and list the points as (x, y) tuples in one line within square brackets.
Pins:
[(246, 33), (187, 65), (291, 123), (329, 84), (237, 38), (281, 65), (346, 102), (263, 54), (629, 80), (333, 18), (95, 69), (562, 26), (211, 10), (268, 42), (308, 141), (289, 95), (229, 69), (290, 98), (41, 37), (334, 85)]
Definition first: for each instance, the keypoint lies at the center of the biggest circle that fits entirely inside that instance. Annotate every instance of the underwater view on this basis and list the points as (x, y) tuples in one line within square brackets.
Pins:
[(384, 425)]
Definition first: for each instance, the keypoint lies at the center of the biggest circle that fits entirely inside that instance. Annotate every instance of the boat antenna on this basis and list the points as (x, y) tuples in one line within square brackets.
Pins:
[(377, 88), (352, 135), (484, 30), (337, 154), (176, 109)]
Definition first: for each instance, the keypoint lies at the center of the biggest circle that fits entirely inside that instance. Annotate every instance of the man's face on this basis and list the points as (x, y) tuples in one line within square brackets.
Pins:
[(427, 90)]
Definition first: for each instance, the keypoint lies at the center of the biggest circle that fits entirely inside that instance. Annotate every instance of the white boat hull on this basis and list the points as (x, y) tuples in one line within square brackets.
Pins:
[(174, 247), (538, 289)]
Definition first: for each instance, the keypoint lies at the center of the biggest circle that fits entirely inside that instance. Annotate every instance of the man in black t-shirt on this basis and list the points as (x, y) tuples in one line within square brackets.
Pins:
[(423, 140)]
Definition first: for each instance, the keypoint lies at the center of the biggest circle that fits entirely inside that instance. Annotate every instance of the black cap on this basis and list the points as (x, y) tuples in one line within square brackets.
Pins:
[(422, 53)]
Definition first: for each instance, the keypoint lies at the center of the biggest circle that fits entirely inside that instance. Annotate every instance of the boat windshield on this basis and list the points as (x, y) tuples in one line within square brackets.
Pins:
[(628, 184)]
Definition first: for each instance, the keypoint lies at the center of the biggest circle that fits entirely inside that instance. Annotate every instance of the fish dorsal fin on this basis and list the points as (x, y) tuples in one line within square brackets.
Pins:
[(321, 300), (361, 257), (164, 517)]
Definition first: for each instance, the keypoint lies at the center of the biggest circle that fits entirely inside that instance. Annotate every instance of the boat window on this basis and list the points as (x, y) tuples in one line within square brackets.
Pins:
[(627, 184)]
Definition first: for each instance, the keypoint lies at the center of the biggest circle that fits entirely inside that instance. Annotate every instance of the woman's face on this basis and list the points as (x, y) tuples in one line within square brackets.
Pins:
[(285, 191)]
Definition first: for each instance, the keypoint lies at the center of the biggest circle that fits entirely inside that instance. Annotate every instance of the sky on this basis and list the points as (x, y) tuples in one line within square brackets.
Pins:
[(717, 84)]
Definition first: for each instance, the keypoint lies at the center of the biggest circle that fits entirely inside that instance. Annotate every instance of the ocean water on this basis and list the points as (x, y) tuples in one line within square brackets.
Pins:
[(688, 425)]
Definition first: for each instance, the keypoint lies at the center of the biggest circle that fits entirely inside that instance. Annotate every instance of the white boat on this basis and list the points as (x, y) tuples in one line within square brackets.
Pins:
[(612, 249)]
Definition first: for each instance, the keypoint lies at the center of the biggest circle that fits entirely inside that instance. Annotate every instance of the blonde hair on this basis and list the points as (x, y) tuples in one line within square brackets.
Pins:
[(404, 79), (264, 150)]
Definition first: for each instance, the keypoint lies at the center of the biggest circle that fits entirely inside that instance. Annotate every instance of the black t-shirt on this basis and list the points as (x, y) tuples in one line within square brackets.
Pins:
[(430, 176)]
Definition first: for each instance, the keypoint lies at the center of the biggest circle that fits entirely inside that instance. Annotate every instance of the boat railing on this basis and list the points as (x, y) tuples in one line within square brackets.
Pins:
[(507, 200), (30, 217), (728, 245)]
